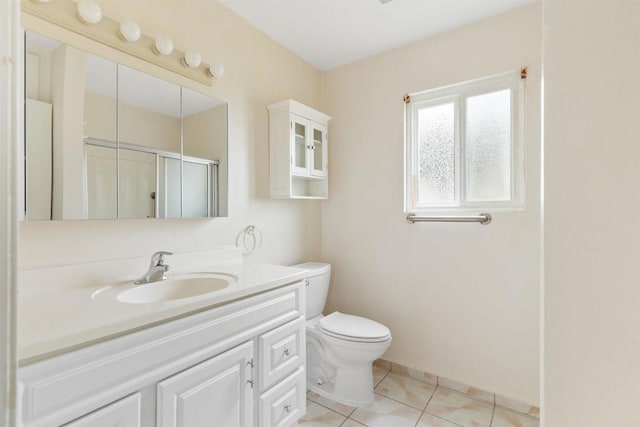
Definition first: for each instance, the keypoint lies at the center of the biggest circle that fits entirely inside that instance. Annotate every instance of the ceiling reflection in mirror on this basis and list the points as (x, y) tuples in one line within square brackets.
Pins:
[(106, 141)]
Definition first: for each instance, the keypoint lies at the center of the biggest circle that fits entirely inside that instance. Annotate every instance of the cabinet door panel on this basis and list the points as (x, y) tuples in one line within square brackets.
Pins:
[(123, 413), (318, 144), (299, 145), (214, 392)]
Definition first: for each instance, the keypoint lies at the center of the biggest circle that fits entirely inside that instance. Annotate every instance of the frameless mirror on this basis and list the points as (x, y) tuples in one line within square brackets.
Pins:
[(105, 141), (149, 146), (204, 138)]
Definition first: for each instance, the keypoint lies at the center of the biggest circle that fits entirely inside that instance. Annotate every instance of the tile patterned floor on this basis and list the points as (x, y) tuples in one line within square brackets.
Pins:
[(402, 401)]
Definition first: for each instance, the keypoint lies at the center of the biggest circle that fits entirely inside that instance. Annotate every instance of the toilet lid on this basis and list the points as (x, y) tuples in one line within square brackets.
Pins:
[(354, 327)]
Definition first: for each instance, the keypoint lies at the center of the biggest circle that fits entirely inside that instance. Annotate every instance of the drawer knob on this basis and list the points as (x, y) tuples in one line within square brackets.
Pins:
[(287, 353), (287, 407)]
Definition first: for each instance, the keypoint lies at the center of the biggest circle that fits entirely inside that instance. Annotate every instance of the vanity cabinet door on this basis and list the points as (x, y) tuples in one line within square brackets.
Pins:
[(216, 392), (123, 413)]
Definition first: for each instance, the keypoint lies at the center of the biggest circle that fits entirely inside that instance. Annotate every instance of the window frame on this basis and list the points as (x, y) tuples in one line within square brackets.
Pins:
[(458, 94)]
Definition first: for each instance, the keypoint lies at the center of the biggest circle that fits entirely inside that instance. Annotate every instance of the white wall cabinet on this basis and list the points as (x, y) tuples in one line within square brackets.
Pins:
[(298, 151), (236, 365)]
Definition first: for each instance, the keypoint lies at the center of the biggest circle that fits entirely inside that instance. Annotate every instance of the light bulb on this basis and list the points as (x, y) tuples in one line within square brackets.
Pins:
[(129, 31), (162, 46), (216, 70), (89, 12), (191, 59)]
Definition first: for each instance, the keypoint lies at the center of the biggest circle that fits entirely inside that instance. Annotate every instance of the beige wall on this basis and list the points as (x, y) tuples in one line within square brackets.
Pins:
[(136, 125), (259, 72), (205, 134), (461, 300), (591, 211)]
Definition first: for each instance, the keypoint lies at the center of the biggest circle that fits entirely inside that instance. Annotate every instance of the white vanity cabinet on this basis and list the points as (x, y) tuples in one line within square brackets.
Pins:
[(240, 364), (298, 151), (123, 413)]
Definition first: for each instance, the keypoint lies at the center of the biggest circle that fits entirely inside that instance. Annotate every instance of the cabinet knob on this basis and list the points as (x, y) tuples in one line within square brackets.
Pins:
[(287, 407), (287, 352)]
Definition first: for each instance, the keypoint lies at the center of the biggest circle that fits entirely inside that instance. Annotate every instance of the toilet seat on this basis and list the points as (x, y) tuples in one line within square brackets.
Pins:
[(353, 328)]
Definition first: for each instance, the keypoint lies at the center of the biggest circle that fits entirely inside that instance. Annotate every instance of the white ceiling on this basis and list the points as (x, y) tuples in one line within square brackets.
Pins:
[(330, 33)]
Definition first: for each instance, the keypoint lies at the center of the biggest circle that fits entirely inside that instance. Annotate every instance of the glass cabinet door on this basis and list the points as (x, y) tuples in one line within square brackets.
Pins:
[(318, 147), (300, 161)]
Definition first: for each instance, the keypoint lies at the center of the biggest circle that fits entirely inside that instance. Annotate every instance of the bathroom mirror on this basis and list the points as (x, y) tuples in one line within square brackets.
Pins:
[(106, 141)]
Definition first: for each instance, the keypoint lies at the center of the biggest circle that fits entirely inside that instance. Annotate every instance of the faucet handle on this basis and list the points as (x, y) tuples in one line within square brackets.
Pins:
[(157, 259)]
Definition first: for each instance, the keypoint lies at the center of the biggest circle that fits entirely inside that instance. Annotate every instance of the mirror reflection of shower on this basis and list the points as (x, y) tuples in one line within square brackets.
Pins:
[(105, 141)]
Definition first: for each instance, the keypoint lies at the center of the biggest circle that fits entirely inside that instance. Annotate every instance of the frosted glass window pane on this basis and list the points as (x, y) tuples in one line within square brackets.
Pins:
[(488, 147), (300, 146), (436, 154)]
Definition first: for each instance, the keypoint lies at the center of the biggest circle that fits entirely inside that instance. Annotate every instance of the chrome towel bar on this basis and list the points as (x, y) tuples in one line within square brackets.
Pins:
[(483, 218)]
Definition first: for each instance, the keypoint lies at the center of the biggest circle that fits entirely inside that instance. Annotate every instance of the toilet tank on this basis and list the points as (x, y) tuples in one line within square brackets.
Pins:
[(318, 288)]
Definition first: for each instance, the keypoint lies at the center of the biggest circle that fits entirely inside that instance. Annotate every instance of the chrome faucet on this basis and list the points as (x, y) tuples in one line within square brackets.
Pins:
[(157, 269)]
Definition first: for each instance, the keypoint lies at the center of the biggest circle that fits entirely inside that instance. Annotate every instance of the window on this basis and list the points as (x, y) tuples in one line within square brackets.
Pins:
[(462, 146)]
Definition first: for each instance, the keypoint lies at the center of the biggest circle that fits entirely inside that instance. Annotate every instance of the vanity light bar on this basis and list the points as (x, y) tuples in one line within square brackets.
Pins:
[(125, 37)]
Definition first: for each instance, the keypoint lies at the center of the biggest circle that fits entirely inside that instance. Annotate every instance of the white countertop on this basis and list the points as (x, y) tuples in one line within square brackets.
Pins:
[(53, 320)]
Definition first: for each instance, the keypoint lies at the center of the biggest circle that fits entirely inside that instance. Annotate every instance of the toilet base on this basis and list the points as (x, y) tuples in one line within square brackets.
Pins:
[(349, 386), (341, 369)]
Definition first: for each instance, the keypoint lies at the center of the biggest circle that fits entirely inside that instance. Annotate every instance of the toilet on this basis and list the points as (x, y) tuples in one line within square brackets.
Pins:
[(341, 348)]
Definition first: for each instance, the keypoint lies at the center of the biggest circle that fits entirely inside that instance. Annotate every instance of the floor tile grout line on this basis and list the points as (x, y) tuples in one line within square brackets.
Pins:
[(444, 419), (493, 413), (424, 411), (381, 379), (433, 415), (435, 386), (333, 410), (449, 421), (399, 401)]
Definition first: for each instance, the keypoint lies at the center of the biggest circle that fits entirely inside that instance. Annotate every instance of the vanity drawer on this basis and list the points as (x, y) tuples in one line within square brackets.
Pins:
[(284, 404), (282, 350)]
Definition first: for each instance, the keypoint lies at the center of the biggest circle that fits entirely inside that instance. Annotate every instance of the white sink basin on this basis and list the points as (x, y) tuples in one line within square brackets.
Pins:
[(176, 287)]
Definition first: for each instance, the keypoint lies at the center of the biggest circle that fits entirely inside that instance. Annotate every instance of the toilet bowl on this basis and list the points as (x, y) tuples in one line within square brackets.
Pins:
[(341, 348)]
